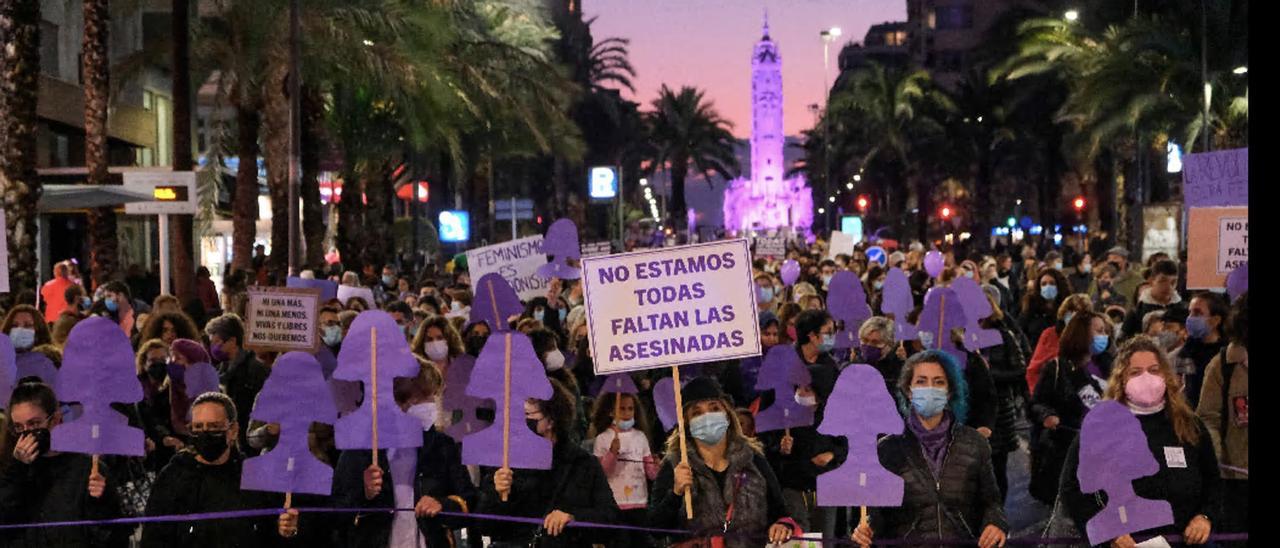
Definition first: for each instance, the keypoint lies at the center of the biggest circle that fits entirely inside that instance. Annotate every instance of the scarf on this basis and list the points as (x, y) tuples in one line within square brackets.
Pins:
[(932, 442)]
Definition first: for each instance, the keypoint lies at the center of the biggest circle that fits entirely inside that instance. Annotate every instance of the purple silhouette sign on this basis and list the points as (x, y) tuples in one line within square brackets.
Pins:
[(619, 383), (561, 242), (942, 313), (8, 370), (36, 364), (976, 307), (294, 396), (897, 300), (508, 372), (782, 372), (1238, 281), (375, 353), (664, 399), (457, 403), (1110, 429), (97, 371), (346, 395), (847, 302), (866, 410), (494, 302), (200, 378)]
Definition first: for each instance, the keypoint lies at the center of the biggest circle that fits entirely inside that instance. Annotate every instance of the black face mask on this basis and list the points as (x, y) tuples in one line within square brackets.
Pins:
[(210, 445), (533, 425), (157, 370), (475, 343), (43, 440)]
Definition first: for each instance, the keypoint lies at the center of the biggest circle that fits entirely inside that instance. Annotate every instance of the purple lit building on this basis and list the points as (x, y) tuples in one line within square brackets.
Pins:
[(766, 199)]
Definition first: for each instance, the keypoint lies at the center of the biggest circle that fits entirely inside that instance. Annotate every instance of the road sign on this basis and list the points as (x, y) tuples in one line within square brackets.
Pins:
[(173, 193), (876, 255), (523, 209)]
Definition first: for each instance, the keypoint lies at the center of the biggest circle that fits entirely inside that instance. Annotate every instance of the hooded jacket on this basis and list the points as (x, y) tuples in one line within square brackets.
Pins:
[(957, 503)]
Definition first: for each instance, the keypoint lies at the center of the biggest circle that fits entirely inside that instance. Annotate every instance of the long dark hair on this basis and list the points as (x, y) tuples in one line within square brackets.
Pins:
[(1032, 301), (1077, 338), (602, 414), (31, 392)]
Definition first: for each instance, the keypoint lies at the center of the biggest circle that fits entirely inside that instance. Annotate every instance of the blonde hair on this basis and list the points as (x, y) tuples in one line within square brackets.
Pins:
[(1076, 303), (735, 435), (1184, 420)]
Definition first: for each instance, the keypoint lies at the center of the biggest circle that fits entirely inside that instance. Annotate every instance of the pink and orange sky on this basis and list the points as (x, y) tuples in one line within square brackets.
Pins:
[(707, 44)]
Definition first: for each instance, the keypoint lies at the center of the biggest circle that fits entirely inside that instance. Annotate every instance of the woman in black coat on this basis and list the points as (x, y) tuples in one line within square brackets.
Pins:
[(574, 489), (1188, 478), (1008, 368), (1069, 386), (439, 480), (949, 489), (1040, 304)]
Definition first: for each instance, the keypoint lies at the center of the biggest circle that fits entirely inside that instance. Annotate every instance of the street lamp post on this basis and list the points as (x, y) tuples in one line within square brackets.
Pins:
[(827, 36)]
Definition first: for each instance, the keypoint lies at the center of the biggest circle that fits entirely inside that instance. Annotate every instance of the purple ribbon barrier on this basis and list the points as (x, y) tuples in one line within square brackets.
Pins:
[(263, 512)]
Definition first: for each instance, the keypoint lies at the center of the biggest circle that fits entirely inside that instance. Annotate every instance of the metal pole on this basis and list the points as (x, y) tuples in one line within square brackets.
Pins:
[(1204, 73), (826, 127), (295, 136), (621, 216), (513, 216), (164, 254), (413, 204)]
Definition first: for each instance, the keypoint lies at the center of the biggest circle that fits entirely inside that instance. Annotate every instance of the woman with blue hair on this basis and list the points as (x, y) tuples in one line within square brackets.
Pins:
[(949, 488)]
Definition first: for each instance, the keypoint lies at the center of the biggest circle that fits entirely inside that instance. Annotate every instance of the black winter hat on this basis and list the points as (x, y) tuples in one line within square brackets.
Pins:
[(700, 389)]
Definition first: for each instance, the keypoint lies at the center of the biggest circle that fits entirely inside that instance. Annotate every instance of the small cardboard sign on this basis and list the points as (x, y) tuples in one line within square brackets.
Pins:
[(671, 306), (771, 246), (1217, 244), (282, 319), (596, 249), (517, 261), (841, 243)]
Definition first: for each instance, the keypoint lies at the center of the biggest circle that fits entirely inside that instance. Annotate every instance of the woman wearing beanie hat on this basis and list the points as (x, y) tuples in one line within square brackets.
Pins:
[(736, 498)]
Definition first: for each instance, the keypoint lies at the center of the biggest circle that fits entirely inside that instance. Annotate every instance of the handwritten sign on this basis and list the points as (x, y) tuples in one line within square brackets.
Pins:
[(672, 306), (771, 246), (1219, 178), (596, 249), (517, 261), (1217, 243), (282, 319)]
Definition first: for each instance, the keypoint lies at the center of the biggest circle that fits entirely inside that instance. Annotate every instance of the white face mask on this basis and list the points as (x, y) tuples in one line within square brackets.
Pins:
[(437, 350), (425, 413), (807, 401), (555, 360)]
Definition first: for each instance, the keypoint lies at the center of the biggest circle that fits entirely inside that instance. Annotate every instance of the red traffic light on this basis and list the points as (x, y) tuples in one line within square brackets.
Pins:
[(1078, 203), (863, 202), (946, 212)]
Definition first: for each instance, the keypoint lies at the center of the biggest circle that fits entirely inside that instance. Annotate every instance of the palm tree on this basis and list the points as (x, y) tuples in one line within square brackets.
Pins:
[(95, 70), (892, 113), (20, 65), (183, 267), (687, 132)]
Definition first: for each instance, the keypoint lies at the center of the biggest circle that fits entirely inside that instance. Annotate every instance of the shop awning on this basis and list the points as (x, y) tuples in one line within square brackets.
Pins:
[(76, 197)]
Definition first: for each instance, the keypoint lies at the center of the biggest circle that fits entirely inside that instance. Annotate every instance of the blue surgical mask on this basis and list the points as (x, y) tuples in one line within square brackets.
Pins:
[(1049, 292), (86, 302), (564, 313), (826, 280), (1066, 318), (928, 401), (828, 343), (332, 335), (1197, 327), (23, 338), (709, 428), (626, 425), (111, 304), (1086, 268), (765, 294), (878, 285), (1099, 344), (539, 314), (388, 280)]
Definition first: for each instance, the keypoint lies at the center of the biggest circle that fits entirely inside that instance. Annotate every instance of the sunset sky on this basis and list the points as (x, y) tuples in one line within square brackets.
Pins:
[(707, 44)]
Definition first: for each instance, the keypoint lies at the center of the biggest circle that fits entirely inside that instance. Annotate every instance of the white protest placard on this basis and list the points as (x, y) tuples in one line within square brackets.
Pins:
[(282, 319), (771, 246), (596, 249), (346, 292), (840, 243), (4, 253), (671, 306), (517, 261)]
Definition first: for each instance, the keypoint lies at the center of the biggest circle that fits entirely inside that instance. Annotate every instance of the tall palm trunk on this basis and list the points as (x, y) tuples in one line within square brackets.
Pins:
[(20, 66), (245, 209), (103, 247), (276, 136), (678, 213), (309, 187), (377, 216), (180, 237), (350, 213), (481, 194)]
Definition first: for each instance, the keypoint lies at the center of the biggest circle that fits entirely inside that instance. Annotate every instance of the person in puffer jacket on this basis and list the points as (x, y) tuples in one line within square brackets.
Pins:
[(949, 489)]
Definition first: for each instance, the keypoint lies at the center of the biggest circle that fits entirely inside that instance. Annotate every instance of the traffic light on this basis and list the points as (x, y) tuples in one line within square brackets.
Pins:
[(863, 202), (946, 212), (1078, 203)]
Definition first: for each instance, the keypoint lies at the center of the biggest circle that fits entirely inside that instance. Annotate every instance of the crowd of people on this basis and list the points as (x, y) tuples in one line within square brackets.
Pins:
[(1076, 328)]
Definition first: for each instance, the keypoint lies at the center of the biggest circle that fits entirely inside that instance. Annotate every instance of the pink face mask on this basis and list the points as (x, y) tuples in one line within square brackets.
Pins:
[(1146, 390)]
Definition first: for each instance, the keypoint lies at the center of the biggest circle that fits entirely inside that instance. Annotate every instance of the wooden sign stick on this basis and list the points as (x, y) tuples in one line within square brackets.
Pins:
[(506, 407), (617, 409), (684, 444), (93, 471), (864, 519), (373, 376)]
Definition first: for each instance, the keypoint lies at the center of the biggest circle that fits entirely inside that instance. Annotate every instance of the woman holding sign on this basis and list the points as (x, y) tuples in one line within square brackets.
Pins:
[(1188, 477), (949, 488), (737, 501)]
